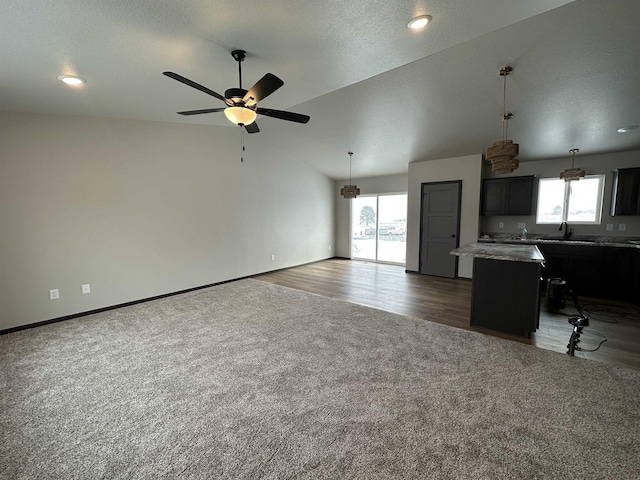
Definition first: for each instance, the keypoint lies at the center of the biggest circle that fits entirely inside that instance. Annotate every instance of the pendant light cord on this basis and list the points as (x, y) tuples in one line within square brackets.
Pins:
[(505, 120)]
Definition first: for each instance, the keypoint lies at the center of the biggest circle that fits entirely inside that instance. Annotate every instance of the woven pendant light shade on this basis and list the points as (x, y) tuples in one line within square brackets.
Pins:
[(349, 191), (572, 173), (502, 153)]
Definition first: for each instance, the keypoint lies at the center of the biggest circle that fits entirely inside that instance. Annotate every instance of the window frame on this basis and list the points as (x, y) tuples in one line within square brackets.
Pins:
[(565, 202)]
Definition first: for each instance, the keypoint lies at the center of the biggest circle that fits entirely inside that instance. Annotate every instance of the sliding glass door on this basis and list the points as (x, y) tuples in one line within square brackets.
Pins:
[(379, 228), (363, 227)]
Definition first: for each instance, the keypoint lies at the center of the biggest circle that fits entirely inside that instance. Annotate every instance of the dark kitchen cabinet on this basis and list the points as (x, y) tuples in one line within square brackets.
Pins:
[(626, 196), (635, 283), (507, 196), (555, 262), (587, 271), (594, 271), (493, 196)]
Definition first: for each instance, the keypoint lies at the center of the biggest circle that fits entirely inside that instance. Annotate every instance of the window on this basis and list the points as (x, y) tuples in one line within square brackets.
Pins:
[(578, 201), (379, 228)]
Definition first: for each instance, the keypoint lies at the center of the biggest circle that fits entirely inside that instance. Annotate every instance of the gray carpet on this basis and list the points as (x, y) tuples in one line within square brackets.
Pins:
[(253, 380)]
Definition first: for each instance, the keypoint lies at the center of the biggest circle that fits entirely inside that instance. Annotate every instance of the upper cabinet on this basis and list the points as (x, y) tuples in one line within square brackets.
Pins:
[(507, 196), (625, 199)]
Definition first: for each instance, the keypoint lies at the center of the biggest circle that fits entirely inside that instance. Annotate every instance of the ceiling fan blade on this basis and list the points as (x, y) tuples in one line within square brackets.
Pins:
[(195, 85), (252, 128), (282, 115), (262, 89), (199, 112)]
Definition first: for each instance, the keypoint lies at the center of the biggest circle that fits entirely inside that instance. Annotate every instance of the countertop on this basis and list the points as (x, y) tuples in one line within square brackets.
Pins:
[(501, 251), (550, 241)]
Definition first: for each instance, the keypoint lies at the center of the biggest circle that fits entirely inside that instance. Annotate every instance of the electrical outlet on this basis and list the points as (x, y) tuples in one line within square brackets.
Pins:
[(86, 288), (622, 227), (522, 225), (273, 257), (54, 294), (609, 227), (501, 225)]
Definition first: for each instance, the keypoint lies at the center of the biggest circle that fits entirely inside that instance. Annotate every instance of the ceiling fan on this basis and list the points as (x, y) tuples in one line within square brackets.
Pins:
[(242, 105)]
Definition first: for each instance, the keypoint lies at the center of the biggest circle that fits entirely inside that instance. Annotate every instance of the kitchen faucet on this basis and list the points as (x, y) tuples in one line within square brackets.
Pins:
[(567, 230)]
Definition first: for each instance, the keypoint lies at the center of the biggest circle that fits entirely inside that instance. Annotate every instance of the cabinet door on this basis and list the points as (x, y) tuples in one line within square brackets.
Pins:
[(627, 199), (519, 195), (494, 192), (635, 282), (586, 273), (595, 271), (555, 262), (620, 273)]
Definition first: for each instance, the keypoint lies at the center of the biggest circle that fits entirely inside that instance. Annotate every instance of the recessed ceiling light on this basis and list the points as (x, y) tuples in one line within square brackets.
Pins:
[(419, 22), (627, 129), (71, 79)]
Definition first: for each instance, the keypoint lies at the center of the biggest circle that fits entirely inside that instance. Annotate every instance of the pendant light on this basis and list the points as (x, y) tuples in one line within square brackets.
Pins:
[(350, 191), (572, 173), (502, 153)]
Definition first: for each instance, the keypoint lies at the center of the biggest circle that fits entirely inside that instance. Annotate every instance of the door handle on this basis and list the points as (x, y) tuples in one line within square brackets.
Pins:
[(453, 236)]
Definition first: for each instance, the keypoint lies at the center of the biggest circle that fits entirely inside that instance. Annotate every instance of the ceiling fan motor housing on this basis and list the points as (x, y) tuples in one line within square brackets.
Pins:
[(236, 95)]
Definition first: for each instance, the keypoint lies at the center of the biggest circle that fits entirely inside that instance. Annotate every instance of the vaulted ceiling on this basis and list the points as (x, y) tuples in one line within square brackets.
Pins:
[(371, 85)]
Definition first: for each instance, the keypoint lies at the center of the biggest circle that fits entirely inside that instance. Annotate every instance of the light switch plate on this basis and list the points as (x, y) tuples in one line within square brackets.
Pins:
[(522, 225), (86, 288), (622, 227), (501, 225), (609, 227), (54, 294)]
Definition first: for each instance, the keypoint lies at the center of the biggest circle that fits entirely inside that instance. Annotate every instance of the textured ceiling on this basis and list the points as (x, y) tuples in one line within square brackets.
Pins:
[(370, 85)]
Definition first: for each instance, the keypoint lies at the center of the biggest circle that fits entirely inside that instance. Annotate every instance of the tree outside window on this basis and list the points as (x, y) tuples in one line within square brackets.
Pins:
[(367, 216)]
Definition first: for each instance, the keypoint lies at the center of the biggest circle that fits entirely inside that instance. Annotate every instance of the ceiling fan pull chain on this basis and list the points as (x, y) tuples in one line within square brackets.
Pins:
[(241, 145)]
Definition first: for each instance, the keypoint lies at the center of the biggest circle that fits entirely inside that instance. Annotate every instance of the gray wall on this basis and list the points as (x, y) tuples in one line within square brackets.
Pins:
[(592, 164), (469, 170), (139, 209), (373, 185)]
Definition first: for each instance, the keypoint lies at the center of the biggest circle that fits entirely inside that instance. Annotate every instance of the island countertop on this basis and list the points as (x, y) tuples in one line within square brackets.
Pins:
[(500, 251)]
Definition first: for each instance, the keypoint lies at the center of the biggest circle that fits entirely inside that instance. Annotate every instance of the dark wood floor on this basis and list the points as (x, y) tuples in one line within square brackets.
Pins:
[(448, 301)]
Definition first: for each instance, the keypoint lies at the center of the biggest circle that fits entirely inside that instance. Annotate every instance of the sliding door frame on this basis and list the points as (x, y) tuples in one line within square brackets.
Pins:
[(375, 260)]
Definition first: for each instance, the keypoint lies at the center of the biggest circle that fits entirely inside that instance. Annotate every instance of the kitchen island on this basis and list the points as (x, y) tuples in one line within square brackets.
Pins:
[(506, 286)]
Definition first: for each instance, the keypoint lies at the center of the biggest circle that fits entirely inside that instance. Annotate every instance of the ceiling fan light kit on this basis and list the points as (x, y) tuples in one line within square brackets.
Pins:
[(572, 173), (240, 115), (349, 191), (242, 105), (502, 153)]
